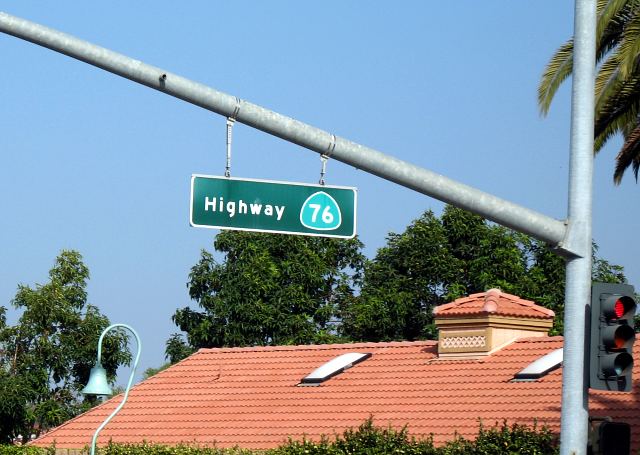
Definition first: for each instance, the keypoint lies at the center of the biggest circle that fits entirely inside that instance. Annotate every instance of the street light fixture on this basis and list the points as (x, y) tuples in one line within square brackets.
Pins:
[(98, 384)]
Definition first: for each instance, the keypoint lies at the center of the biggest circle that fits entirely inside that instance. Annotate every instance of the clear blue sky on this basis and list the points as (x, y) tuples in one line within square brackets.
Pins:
[(102, 165)]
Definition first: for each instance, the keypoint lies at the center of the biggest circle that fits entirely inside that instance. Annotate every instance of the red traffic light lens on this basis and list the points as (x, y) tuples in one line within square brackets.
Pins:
[(618, 307)]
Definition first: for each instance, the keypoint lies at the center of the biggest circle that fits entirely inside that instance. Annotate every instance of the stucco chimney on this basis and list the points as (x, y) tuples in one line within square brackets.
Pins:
[(482, 323)]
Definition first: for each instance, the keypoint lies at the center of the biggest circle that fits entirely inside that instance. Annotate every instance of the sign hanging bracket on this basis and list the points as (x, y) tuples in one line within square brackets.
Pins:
[(325, 157), (230, 122), (323, 169)]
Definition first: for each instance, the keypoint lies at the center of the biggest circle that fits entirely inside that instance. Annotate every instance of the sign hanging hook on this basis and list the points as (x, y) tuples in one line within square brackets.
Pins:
[(323, 170), (325, 157), (230, 121)]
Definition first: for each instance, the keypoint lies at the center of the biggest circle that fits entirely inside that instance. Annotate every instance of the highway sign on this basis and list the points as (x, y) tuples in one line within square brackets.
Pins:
[(270, 206)]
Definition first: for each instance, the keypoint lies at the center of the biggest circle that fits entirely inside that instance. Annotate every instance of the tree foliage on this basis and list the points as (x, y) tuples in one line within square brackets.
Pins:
[(46, 357), (176, 349), (270, 289), (151, 371), (617, 88), (437, 260)]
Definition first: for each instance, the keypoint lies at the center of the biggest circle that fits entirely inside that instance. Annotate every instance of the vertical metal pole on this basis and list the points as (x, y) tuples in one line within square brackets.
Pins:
[(575, 399)]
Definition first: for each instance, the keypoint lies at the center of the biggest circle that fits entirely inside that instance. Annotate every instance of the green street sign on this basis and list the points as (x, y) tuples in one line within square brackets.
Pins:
[(270, 206)]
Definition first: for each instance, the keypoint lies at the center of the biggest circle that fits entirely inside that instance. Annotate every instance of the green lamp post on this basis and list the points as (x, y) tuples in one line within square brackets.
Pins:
[(98, 384)]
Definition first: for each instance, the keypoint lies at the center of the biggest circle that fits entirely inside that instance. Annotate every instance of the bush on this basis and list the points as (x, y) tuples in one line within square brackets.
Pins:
[(156, 449), (25, 450), (370, 440), (367, 439), (505, 440)]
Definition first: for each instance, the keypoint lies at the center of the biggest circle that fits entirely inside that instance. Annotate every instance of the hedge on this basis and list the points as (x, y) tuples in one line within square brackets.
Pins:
[(367, 439)]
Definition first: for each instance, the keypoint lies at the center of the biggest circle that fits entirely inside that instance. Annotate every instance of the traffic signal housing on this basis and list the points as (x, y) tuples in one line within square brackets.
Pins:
[(607, 437), (613, 307)]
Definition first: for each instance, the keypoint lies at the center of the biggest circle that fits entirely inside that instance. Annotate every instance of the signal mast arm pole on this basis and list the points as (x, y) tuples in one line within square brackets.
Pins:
[(570, 239), (521, 219)]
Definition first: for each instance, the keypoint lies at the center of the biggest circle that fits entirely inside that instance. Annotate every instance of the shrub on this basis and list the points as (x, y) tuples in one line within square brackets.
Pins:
[(505, 440), (367, 439), (25, 450), (157, 449)]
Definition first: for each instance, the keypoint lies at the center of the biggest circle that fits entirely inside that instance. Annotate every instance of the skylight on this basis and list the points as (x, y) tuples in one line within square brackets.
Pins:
[(541, 366), (333, 367)]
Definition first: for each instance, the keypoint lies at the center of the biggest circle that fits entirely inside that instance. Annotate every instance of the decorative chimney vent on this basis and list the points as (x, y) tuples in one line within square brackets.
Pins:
[(482, 323)]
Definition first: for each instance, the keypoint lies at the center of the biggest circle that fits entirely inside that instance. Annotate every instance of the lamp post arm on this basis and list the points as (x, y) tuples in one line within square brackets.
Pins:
[(126, 392)]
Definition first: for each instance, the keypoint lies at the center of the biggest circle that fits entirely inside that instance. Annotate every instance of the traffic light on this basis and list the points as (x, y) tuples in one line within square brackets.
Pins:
[(613, 308), (609, 438)]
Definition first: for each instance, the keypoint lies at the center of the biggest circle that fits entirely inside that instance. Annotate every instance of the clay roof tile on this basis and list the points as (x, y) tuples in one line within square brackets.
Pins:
[(251, 397), (493, 301)]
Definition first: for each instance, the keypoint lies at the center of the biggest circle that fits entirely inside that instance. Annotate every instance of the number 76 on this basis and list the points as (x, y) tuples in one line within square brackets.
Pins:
[(327, 216)]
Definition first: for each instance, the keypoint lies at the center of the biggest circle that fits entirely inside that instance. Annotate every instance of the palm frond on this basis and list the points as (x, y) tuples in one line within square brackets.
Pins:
[(607, 79), (616, 110), (558, 69), (629, 47), (620, 97), (610, 23), (610, 129), (629, 155), (612, 17), (617, 85)]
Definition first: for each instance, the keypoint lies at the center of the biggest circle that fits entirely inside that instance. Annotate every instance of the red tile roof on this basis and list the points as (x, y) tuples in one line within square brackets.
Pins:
[(250, 396), (495, 302)]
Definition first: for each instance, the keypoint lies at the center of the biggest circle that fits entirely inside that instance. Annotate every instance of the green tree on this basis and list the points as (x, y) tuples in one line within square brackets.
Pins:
[(46, 357), (617, 89), (176, 349), (151, 371), (437, 260), (400, 285), (270, 289)]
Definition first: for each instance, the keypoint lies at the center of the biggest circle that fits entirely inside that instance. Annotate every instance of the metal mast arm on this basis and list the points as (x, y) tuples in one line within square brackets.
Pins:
[(374, 162)]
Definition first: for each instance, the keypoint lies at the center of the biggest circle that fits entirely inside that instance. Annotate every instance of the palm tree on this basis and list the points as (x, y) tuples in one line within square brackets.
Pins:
[(617, 87)]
